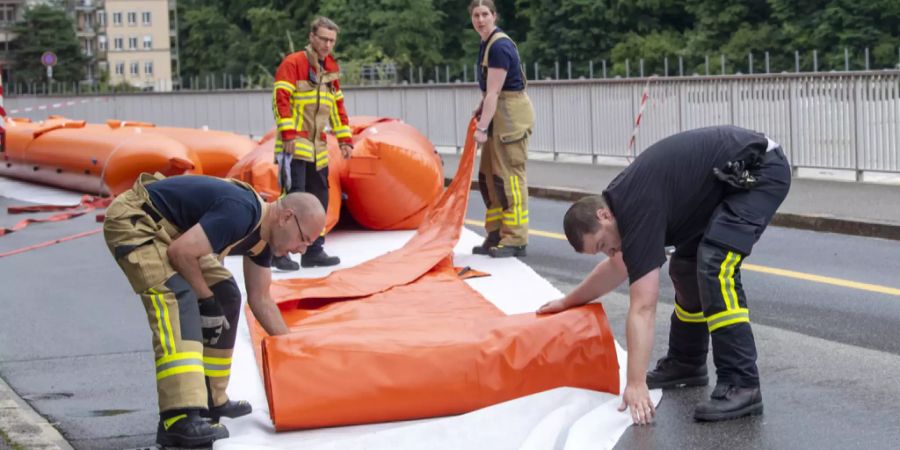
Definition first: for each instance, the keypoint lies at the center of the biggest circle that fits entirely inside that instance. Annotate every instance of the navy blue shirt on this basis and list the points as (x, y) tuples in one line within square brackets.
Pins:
[(667, 195), (226, 212), (503, 55)]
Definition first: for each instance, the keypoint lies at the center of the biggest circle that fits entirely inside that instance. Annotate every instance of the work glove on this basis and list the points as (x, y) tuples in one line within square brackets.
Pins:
[(212, 320), (283, 160), (736, 174)]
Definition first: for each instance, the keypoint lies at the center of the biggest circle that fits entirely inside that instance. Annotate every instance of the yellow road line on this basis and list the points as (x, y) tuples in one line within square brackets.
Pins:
[(761, 269)]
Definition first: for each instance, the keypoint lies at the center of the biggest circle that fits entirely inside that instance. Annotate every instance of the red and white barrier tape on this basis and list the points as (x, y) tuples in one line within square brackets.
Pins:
[(56, 105), (637, 119)]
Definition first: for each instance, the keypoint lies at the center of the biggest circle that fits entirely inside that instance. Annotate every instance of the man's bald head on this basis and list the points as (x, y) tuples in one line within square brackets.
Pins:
[(308, 210)]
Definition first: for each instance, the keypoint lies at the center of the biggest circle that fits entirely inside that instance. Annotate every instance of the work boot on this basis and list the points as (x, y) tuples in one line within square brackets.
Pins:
[(285, 263), (506, 251), (230, 409), (671, 373), (492, 239), (319, 259), (730, 402), (188, 430)]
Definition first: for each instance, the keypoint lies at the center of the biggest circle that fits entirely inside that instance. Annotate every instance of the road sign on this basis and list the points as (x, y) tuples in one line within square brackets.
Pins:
[(48, 59)]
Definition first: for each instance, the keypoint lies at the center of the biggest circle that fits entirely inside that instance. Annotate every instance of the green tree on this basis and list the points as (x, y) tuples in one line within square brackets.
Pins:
[(211, 44), (46, 27), (269, 44)]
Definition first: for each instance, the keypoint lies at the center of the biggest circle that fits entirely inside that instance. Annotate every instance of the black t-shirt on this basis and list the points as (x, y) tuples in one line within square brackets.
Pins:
[(227, 212), (503, 55), (668, 193)]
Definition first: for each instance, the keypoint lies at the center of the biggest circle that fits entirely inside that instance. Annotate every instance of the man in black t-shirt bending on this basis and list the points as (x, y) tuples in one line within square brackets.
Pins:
[(165, 234), (710, 193)]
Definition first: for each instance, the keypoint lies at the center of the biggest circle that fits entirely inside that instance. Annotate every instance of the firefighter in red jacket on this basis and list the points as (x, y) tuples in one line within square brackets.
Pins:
[(307, 100)]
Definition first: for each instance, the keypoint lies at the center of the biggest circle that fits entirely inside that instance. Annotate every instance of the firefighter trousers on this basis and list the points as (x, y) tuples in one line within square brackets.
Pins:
[(188, 374), (709, 297), (305, 178), (501, 179)]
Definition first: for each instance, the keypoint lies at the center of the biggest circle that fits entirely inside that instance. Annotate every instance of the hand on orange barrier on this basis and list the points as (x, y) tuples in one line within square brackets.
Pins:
[(637, 399), (553, 307), (346, 150)]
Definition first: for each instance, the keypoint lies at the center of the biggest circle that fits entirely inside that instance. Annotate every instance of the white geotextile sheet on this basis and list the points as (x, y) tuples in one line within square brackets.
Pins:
[(563, 418)]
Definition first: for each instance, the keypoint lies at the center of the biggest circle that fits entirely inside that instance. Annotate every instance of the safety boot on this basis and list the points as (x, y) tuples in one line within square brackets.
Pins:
[(671, 373), (318, 259), (507, 251), (188, 430), (285, 263), (230, 409), (491, 240), (730, 402)]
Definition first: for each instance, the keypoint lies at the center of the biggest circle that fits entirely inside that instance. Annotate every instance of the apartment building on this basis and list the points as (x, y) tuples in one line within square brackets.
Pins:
[(11, 11), (131, 41)]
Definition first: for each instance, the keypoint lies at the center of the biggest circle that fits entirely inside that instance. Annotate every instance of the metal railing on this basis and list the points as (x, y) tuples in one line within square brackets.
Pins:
[(848, 121)]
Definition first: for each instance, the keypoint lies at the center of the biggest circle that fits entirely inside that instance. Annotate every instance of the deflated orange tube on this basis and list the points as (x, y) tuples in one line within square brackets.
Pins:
[(402, 337)]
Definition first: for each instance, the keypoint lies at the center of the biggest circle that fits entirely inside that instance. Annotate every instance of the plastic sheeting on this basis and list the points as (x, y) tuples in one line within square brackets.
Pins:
[(402, 337)]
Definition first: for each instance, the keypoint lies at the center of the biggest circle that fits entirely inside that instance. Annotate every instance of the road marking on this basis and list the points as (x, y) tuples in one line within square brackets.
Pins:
[(761, 269)]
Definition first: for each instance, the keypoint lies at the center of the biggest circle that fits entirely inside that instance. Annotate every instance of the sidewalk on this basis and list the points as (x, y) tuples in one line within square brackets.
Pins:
[(862, 209)]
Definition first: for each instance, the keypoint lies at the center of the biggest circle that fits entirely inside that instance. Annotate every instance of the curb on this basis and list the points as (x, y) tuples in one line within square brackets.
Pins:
[(24, 426), (822, 223)]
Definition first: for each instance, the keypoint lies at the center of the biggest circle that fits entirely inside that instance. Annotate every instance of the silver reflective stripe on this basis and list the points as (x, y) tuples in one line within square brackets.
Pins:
[(179, 363)]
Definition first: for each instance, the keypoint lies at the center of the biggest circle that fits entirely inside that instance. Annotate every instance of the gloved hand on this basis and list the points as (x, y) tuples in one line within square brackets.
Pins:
[(212, 320), (735, 173), (283, 160)]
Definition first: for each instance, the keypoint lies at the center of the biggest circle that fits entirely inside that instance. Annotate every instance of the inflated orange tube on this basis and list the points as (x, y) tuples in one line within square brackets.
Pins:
[(90, 158), (402, 337)]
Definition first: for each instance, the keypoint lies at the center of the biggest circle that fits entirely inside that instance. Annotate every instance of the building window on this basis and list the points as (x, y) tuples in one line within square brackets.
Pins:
[(89, 21), (117, 19), (145, 17), (135, 69), (132, 18), (101, 18), (101, 43), (120, 68), (148, 42), (132, 43), (7, 13), (88, 48), (148, 67), (118, 43)]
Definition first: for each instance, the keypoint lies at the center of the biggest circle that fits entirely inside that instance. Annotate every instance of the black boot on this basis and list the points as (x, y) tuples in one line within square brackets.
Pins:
[(492, 239), (188, 430), (230, 409), (285, 263), (730, 402), (319, 259), (671, 373), (507, 251)]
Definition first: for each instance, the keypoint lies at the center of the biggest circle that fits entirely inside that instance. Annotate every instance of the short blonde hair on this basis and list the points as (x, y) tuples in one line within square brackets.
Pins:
[(323, 22)]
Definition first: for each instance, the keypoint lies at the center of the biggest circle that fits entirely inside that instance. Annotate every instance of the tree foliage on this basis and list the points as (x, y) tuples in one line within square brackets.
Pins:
[(46, 27)]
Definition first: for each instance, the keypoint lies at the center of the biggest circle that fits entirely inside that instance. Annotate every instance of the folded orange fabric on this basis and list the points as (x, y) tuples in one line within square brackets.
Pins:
[(403, 337)]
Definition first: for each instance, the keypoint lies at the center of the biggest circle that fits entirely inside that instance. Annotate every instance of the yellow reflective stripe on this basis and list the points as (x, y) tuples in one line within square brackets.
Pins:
[(286, 85), (734, 298), (723, 280), (179, 356), (215, 360), (171, 421), (217, 372), (685, 316), (163, 323), (179, 370), (725, 318), (495, 210), (492, 219)]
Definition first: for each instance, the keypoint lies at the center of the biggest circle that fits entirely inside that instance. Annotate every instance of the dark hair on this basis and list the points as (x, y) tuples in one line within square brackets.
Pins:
[(477, 3), (581, 219), (323, 22)]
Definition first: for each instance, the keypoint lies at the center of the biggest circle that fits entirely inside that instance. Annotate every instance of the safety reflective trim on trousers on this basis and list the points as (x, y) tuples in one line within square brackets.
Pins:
[(689, 317), (726, 280), (179, 363), (217, 367), (171, 420), (163, 323), (726, 318)]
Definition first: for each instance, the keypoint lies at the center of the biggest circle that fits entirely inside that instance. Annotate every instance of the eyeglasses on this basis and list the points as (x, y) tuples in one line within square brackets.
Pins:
[(325, 39), (302, 236)]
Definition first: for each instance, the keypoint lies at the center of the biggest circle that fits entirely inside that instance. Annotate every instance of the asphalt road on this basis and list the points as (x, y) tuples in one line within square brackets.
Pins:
[(828, 353), (73, 342)]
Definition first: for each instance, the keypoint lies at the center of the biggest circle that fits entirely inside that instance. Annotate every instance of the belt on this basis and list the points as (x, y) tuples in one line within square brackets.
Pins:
[(148, 208)]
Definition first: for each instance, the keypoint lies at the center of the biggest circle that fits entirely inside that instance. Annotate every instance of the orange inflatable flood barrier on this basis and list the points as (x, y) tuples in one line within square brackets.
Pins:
[(392, 177), (107, 158), (402, 337)]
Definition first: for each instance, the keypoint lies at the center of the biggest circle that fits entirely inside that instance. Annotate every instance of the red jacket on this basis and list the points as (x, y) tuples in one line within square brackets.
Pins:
[(295, 68)]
